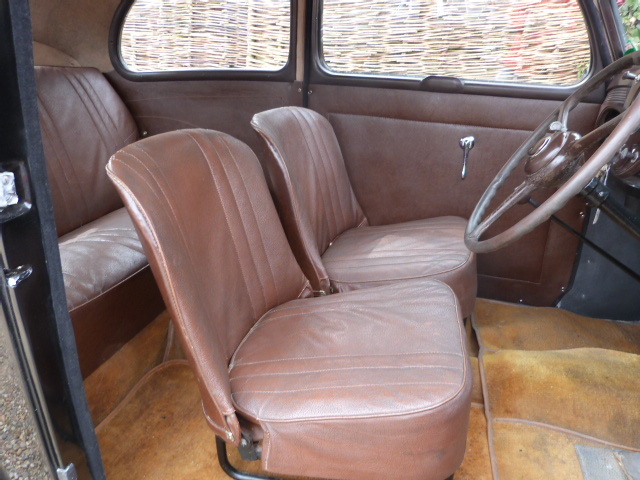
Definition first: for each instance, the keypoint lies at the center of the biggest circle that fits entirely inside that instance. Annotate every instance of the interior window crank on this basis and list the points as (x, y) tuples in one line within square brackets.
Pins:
[(466, 144)]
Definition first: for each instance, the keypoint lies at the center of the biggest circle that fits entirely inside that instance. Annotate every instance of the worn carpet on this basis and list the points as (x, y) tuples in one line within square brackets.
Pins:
[(553, 380)]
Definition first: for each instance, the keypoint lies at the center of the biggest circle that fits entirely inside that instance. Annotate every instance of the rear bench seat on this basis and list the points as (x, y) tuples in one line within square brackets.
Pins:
[(111, 293)]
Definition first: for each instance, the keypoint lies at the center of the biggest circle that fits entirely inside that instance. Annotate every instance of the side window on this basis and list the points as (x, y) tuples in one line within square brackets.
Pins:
[(630, 13), (527, 41), (179, 35)]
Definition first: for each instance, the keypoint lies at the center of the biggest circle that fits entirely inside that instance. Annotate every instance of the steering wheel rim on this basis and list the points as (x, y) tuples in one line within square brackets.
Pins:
[(623, 126)]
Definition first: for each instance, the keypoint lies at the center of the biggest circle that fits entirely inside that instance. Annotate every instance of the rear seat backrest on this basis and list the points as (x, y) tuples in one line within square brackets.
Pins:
[(84, 122)]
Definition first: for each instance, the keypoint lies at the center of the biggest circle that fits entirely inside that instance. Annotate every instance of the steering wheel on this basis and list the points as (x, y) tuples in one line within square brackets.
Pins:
[(554, 158)]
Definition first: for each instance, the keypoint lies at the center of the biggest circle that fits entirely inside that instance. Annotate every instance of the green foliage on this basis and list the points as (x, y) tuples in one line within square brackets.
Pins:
[(630, 12)]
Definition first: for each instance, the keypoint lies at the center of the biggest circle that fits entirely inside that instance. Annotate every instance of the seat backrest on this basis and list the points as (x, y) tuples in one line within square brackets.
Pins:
[(310, 184), (211, 233), (83, 122)]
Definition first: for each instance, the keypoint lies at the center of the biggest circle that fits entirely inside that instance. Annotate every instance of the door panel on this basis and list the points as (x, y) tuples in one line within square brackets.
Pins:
[(226, 106), (403, 156)]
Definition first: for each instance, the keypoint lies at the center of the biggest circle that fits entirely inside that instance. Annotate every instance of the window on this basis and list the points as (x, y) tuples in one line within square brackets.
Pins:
[(170, 35), (529, 41), (630, 13)]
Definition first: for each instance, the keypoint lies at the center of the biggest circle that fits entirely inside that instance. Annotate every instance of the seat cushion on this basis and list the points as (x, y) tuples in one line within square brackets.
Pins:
[(98, 256), (382, 255), (337, 383)]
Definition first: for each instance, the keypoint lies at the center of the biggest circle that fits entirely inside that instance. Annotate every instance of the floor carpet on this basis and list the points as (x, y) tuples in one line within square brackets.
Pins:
[(553, 380)]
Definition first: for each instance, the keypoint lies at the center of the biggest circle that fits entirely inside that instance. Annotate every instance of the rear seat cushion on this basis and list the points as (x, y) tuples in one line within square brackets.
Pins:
[(84, 122), (99, 256)]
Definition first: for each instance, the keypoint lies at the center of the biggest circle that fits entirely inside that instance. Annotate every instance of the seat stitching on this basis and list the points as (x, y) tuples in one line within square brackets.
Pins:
[(91, 87), (234, 163), (319, 182), (281, 392), (319, 140), (226, 216), (409, 278), (176, 223), (343, 309), (347, 356), (386, 367), (332, 304), (73, 81), (398, 227), (71, 167), (317, 268), (342, 202), (99, 108)]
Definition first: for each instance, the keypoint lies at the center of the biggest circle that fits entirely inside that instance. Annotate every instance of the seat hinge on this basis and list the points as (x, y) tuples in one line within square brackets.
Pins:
[(249, 450)]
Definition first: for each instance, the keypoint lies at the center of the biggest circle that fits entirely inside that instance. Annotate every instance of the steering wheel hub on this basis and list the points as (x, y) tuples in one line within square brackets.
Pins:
[(551, 150)]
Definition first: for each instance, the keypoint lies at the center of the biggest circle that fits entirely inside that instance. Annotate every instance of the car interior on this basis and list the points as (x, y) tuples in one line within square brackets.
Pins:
[(346, 239)]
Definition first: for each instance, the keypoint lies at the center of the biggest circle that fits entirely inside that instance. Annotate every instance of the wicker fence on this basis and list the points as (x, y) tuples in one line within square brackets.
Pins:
[(533, 41), (195, 34)]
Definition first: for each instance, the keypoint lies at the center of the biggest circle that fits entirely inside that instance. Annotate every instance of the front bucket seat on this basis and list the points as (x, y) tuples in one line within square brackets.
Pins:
[(373, 384), (329, 232)]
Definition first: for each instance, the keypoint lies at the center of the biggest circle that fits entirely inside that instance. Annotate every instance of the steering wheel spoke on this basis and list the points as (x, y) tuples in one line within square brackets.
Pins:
[(597, 135), (521, 193)]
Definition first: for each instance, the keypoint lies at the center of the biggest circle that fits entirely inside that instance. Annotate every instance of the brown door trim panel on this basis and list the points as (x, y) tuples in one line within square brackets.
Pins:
[(404, 160)]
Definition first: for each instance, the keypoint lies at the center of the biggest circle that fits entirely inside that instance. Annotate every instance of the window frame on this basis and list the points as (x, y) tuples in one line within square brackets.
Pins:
[(320, 73), (285, 74)]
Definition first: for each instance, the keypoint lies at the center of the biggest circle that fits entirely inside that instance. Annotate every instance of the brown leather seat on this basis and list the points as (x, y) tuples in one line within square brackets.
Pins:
[(328, 230), (372, 384), (111, 293)]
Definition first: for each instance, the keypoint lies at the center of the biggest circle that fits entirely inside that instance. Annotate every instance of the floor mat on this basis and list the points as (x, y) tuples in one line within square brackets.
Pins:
[(545, 394), (515, 327)]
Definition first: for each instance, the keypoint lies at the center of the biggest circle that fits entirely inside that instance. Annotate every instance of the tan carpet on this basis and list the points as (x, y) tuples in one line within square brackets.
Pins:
[(109, 384), (529, 452), (161, 421), (551, 380), (476, 464), (506, 326)]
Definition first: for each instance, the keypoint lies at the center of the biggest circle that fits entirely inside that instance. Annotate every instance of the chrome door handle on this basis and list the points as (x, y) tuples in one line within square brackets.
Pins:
[(466, 144)]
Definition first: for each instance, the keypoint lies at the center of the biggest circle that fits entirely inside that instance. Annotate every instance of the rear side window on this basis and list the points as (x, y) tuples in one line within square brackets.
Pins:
[(630, 12), (528, 41), (178, 35)]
